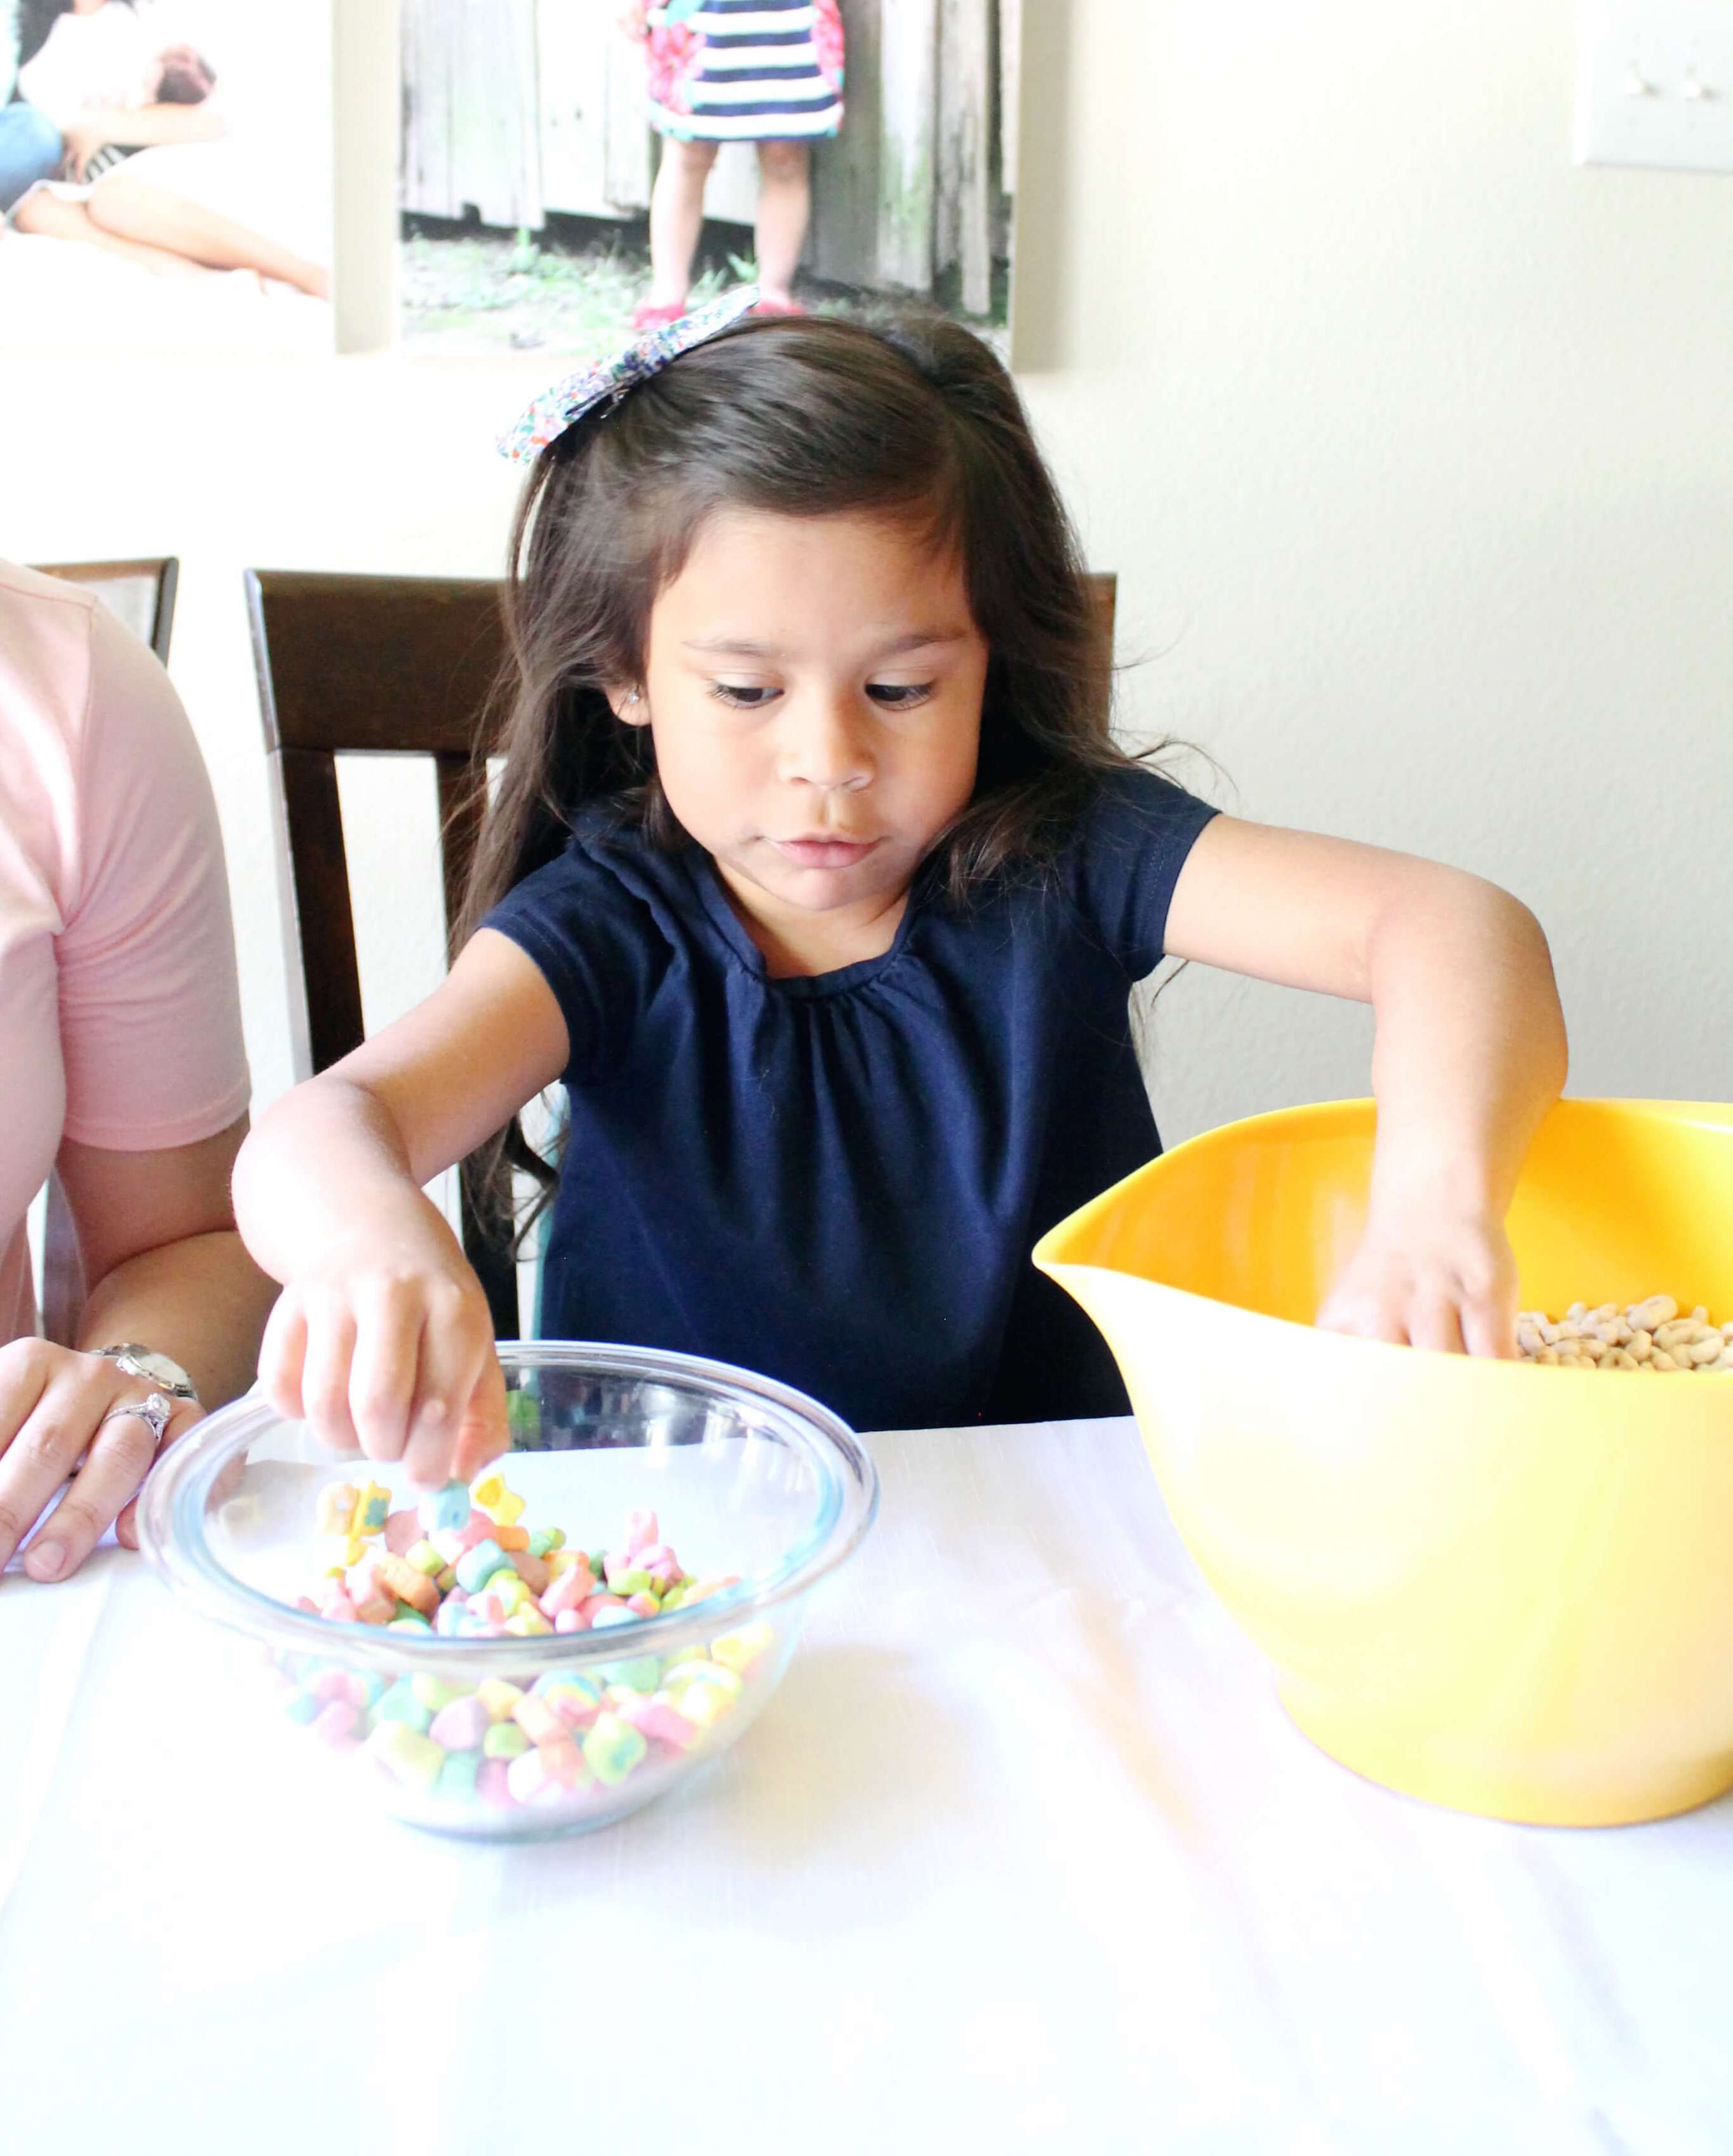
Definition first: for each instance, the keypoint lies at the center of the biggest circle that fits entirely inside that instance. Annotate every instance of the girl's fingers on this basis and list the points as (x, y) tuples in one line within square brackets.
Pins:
[(1489, 1329), (122, 1451), (282, 1355), (485, 1431), (1433, 1322), (382, 1375), (457, 1344), (325, 1376), (1363, 1316)]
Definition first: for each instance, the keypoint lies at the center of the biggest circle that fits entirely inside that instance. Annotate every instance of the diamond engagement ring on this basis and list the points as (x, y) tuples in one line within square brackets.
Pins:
[(155, 1410)]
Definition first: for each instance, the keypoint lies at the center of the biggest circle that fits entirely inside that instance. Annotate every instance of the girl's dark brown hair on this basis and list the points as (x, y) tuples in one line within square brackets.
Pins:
[(814, 417)]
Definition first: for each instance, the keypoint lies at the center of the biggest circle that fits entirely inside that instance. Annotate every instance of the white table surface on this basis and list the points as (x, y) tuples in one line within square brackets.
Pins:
[(1024, 1847)]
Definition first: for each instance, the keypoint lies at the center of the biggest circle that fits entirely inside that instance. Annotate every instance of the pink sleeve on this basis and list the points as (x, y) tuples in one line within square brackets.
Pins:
[(149, 1007)]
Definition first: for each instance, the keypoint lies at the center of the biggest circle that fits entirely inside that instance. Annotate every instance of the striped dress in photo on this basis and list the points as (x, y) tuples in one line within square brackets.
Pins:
[(745, 70)]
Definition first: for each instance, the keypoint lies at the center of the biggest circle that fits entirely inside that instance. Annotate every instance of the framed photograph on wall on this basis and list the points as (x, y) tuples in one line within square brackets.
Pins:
[(166, 176), (570, 166)]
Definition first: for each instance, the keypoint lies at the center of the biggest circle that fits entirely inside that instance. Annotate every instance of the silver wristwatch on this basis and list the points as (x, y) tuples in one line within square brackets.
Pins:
[(161, 1371)]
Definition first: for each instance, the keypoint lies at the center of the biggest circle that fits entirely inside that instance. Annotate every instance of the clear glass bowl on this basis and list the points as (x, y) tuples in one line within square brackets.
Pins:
[(745, 1476)]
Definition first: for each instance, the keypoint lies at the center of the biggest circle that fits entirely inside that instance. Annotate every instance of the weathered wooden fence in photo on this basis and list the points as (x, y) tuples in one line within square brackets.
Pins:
[(518, 108)]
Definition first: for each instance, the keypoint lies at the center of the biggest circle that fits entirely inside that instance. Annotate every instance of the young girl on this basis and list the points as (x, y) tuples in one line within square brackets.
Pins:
[(771, 75), (817, 878)]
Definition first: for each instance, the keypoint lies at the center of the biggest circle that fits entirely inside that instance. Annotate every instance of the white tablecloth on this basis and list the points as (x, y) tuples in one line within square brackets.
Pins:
[(1023, 1848)]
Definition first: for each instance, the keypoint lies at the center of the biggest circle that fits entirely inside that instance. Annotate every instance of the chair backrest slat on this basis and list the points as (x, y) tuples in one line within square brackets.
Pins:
[(317, 866), (141, 594)]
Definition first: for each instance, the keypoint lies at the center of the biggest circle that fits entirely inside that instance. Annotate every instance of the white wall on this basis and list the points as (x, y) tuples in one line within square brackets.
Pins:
[(1407, 438)]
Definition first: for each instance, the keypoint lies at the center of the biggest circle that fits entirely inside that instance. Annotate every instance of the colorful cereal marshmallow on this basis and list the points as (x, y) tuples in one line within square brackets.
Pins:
[(458, 1773), (396, 1576), (477, 1566), (658, 1717), (461, 1724), (503, 1507), (412, 1758), (446, 1509), (613, 1748), (498, 1696), (739, 1651)]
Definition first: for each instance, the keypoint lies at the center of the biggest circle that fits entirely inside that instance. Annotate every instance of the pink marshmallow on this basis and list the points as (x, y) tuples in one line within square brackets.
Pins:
[(402, 1530), (460, 1726), (359, 1581), (335, 1722), (655, 1718), (569, 1620), (493, 1783), (567, 1591), (641, 1532), (643, 1602)]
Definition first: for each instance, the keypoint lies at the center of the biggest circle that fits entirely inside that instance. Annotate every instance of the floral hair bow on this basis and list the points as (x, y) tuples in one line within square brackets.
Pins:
[(605, 381)]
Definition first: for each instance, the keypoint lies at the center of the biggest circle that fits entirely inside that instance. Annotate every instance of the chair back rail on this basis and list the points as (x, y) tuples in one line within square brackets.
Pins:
[(141, 594)]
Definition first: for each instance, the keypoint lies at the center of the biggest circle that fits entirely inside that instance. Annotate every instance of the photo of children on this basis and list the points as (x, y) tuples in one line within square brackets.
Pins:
[(165, 174), (571, 174)]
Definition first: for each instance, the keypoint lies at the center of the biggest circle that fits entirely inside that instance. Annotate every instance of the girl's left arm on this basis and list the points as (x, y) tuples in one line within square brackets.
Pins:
[(1470, 1054)]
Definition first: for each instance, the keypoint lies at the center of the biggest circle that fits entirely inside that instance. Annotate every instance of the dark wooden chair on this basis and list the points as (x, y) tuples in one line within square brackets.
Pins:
[(357, 665), (141, 594), (351, 665)]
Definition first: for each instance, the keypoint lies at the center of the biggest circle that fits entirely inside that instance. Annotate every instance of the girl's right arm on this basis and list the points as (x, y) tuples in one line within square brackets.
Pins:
[(382, 1338)]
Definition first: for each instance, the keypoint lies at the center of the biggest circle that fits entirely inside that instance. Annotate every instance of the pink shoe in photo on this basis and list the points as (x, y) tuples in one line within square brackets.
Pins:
[(651, 316), (770, 306)]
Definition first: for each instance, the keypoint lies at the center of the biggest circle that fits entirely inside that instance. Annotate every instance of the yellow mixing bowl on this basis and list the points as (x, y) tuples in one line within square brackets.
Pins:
[(1500, 1587)]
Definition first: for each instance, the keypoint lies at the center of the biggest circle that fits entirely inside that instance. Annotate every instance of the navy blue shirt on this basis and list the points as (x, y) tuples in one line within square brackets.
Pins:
[(837, 1179)]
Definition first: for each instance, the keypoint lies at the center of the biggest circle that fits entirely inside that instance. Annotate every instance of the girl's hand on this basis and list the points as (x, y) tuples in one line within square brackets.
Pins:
[(386, 1345), (1429, 1280), (52, 1401)]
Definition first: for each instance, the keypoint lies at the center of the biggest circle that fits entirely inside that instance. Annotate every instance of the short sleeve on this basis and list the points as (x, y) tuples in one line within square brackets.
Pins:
[(1120, 868), (602, 942), (149, 1006)]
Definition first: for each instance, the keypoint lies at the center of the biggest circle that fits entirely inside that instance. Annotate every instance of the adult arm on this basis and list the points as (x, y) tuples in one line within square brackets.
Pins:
[(142, 127), (383, 1337), (154, 1071), (156, 1235), (1470, 1054)]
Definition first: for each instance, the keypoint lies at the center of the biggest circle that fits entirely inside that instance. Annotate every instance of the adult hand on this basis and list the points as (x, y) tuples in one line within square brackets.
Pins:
[(52, 1403), (79, 143), (1430, 1280), (385, 1344)]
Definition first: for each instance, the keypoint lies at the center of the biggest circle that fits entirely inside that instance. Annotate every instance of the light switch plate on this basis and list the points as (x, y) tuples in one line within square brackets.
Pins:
[(1654, 84)]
